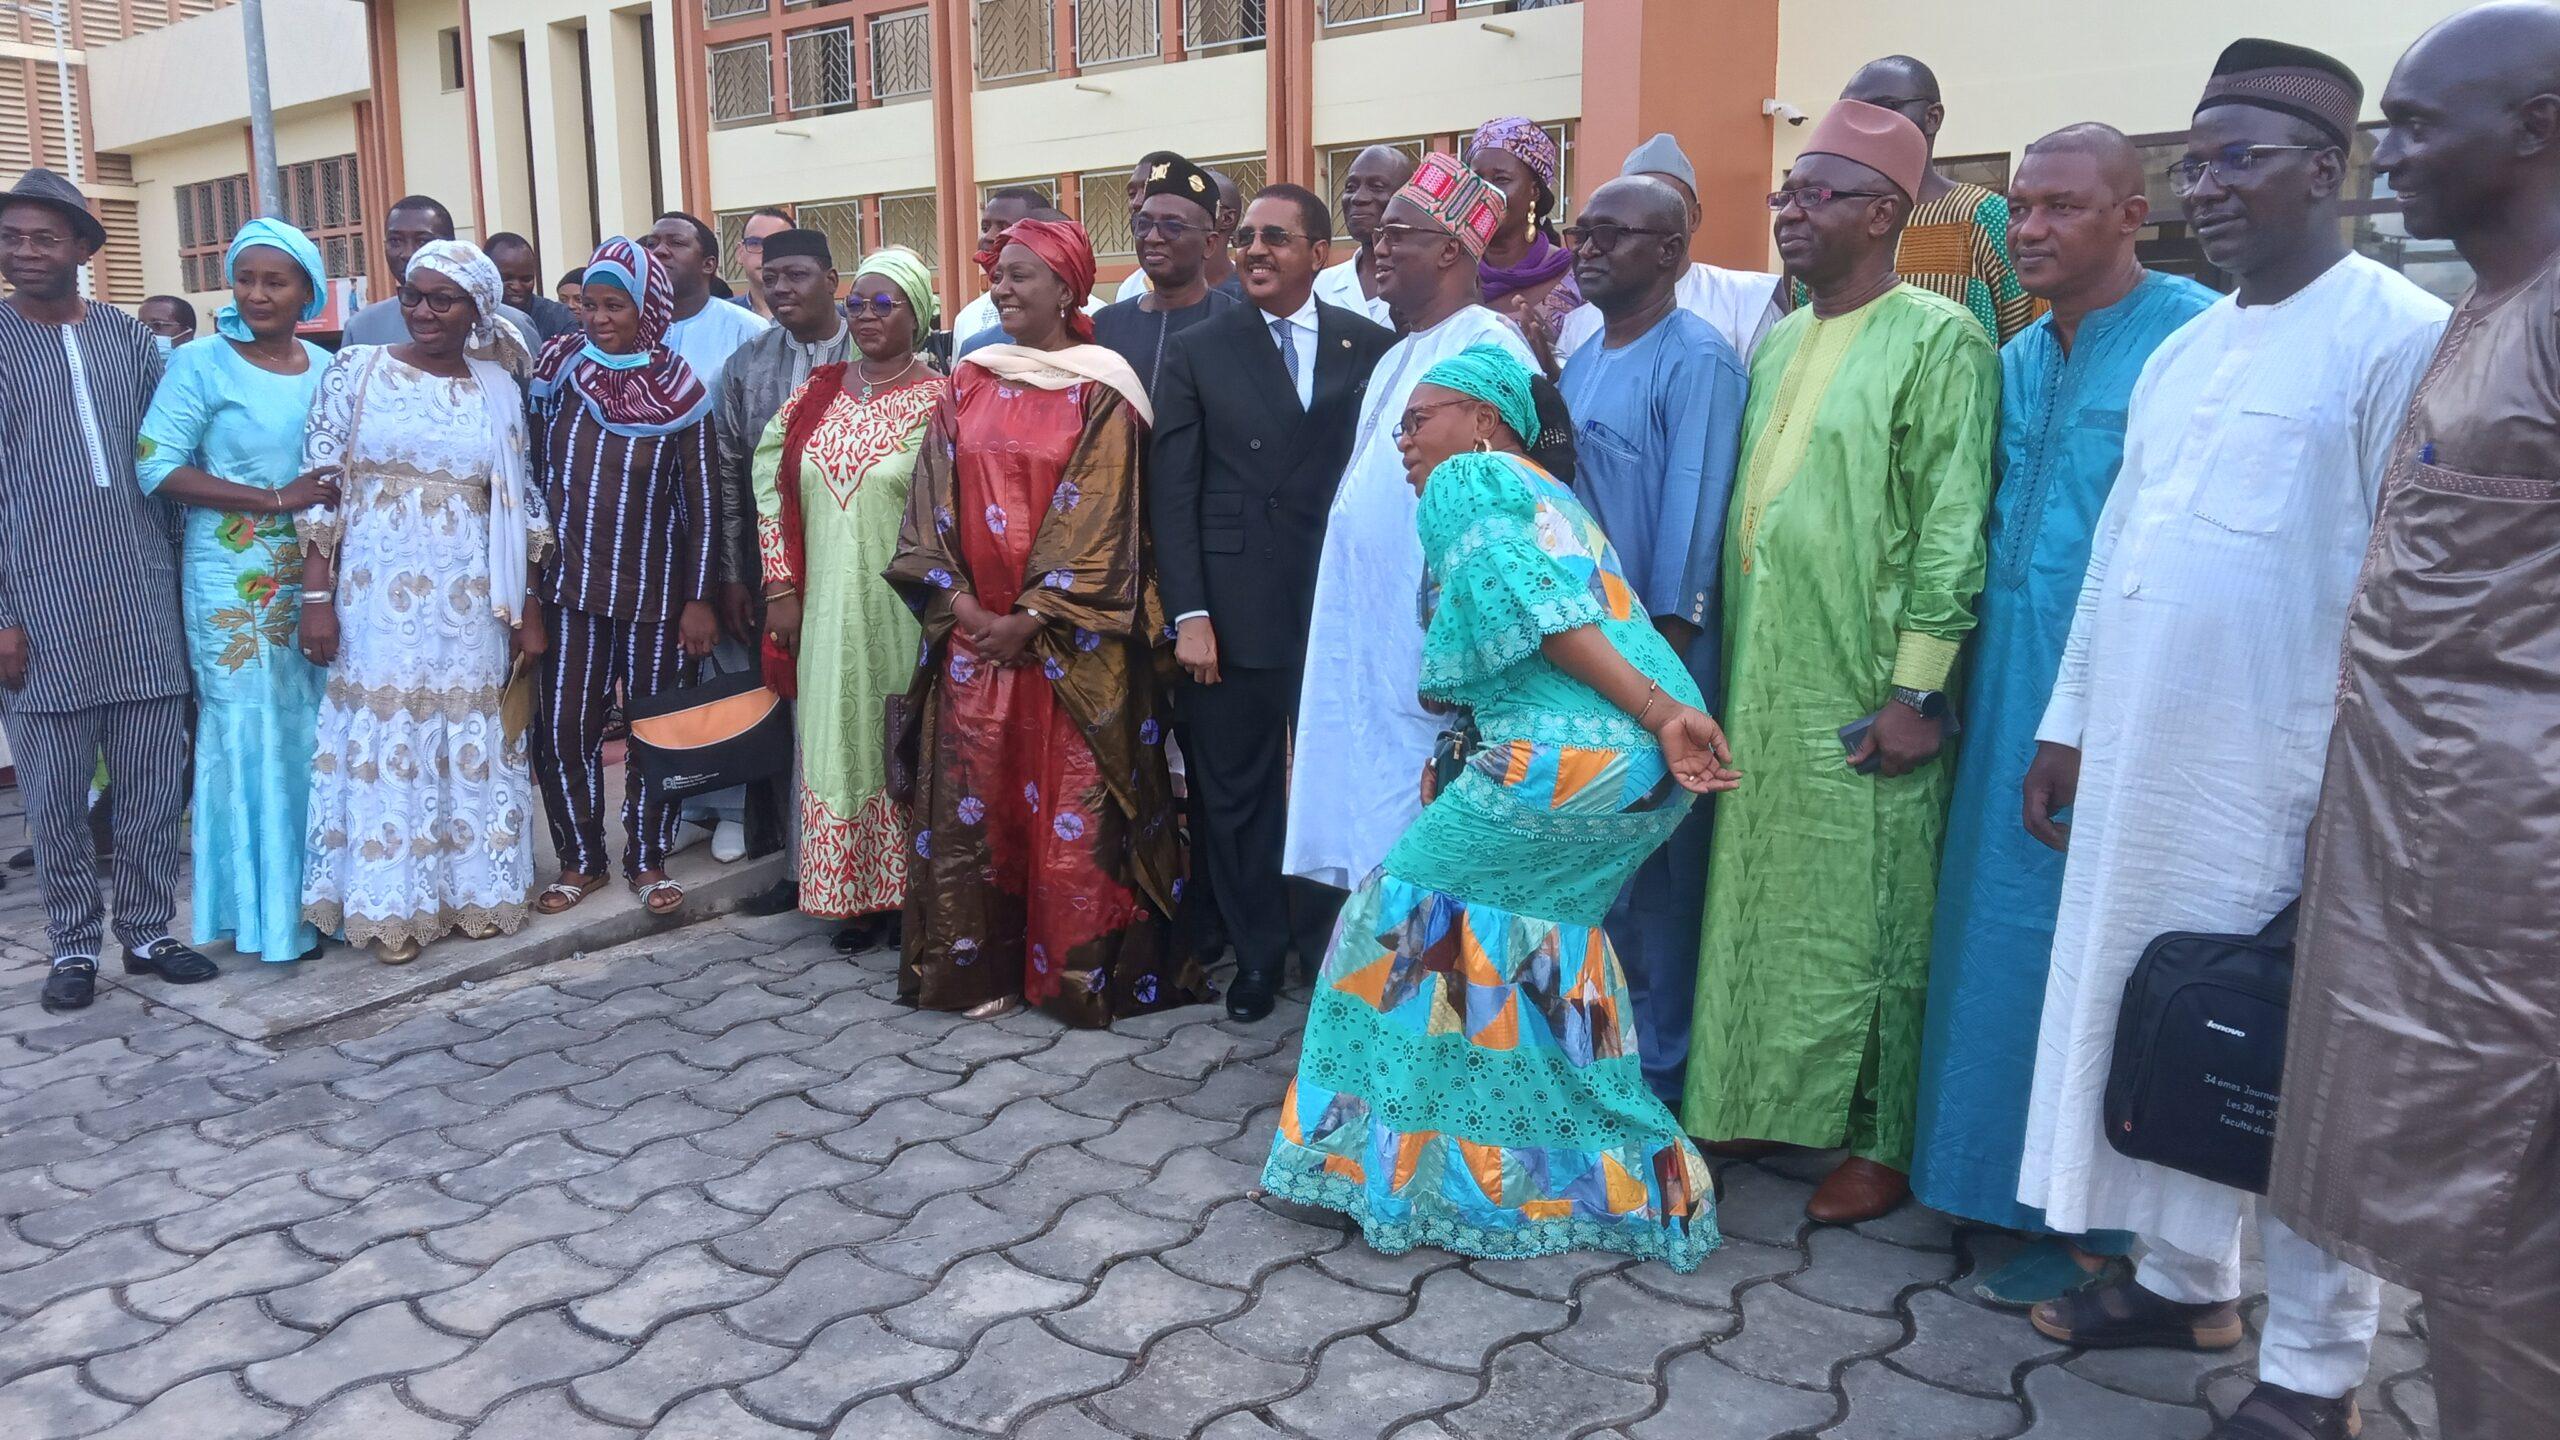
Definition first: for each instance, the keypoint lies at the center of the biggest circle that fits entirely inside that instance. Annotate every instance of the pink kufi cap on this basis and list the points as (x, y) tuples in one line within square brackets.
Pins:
[(1884, 141)]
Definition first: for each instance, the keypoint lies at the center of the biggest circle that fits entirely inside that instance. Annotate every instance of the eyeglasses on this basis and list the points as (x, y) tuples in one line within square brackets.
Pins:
[(878, 306), (438, 302), (1271, 236), (1397, 234), (1814, 197), (2231, 163), (1143, 226), (1413, 418), (1602, 235), (1902, 102)]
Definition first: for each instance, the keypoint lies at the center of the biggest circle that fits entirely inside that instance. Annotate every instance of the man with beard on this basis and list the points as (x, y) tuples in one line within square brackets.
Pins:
[(2077, 207), (1253, 422), (1363, 735), (1373, 179), (521, 269), (2194, 702), (1174, 226), (1852, 557), (2417, 1135), (1657, 399)]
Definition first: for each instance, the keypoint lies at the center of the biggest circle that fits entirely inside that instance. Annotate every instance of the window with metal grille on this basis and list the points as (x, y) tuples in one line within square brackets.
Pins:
[(1250, 172), (821, 64), (901, 55), (742, 82), (209, 214), (731, 227), (1109, 31), (914, 221), (1014, 38), (718, 10), (1104, 198), (1216, 24), (1504, 7), (1047, 187), (1361, 12), (322, 200), (841, 222), (1337, 167)]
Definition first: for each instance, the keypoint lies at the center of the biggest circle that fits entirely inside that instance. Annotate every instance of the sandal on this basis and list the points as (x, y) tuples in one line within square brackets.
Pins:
[(2271, 1412), (2045, 1270), (650, 892), (564, 890), (2124, 1316)]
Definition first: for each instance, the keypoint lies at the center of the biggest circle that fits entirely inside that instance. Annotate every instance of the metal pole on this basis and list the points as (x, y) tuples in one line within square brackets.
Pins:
[(262, 117), (70, 113)]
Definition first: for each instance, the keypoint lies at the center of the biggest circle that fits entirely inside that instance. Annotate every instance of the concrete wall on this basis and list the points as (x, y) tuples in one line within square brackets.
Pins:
[(2012, 70), (191, 76), (1447, 78), (314, 132), (1210, 106), (435, 123), (861, 152)]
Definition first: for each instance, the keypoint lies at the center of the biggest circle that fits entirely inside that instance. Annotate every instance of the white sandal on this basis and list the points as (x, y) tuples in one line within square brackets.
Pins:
[(648, 896)]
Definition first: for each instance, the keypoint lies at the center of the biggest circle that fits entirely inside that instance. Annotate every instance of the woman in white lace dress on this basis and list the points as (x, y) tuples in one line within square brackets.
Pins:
[(415, 597)]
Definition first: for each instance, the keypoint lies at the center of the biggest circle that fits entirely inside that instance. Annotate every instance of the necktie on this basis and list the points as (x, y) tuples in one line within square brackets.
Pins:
[(1287, 335)]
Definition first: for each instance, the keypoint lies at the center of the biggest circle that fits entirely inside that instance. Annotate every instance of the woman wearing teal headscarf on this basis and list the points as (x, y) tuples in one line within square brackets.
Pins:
[(224, 440), (831, 478), (1469, 1077)]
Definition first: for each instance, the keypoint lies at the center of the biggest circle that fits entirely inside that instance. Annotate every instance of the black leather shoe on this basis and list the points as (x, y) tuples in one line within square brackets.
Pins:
[(72, 985), (1251, 997), (171, 961), (859, 934), (785, 895), (2271, 1412)]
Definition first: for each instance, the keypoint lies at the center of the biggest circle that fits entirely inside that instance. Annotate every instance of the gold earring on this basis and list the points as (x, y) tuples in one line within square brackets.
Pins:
[(1482, 446)]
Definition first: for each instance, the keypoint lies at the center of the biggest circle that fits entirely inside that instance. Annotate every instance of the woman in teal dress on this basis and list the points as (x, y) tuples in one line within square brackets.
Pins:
[(1470, 1077), (223, 439)]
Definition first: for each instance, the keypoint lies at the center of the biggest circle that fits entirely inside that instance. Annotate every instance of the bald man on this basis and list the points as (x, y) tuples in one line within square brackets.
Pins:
[(1376, 174), (1957, 239), (2077, 205), (2420, 1131), (1740, 304)]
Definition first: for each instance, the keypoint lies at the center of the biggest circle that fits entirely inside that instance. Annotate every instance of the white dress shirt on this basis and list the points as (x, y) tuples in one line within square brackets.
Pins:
[(1339, 284), (1303, 324)]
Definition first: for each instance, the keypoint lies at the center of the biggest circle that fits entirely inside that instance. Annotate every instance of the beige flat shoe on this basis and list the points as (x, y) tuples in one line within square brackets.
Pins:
[(994, 1009), (397, 952)]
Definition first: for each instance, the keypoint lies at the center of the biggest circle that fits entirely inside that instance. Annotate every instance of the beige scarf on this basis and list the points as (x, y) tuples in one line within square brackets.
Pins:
[(1059, 369)]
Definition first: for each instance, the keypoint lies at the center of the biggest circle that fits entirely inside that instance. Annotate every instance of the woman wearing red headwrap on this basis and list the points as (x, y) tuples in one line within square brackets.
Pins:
[(1045, 859)]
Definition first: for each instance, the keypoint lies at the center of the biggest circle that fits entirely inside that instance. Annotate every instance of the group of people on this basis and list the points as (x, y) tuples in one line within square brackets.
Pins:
[(1390, 612)]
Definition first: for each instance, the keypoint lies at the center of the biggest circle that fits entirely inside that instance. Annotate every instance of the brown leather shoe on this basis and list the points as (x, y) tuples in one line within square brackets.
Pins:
[(1859, 1190)]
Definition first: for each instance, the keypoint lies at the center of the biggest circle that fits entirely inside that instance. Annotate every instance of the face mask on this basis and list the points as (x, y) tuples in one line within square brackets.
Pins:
[(165, 342)]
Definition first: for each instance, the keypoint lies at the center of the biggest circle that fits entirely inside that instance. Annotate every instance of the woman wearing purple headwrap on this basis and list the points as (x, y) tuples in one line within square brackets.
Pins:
[(1527, 272)]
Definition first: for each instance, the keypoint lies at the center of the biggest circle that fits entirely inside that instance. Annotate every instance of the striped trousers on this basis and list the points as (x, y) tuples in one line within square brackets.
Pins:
[(145, 744), (588, 655)]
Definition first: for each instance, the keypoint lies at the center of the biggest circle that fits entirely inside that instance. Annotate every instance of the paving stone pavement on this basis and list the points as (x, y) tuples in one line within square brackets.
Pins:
[(718, 1185)]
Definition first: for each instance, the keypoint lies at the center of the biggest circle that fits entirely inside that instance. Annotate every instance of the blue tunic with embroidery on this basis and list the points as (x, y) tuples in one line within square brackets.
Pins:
[(2061, 441)]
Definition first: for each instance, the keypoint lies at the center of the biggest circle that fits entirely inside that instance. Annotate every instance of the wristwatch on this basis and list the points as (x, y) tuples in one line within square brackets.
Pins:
[(1932, 704)]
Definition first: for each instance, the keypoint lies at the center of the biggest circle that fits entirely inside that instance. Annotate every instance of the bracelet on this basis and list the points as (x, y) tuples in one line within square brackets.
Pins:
[(1652, 693), (771, 595), (323, 596)]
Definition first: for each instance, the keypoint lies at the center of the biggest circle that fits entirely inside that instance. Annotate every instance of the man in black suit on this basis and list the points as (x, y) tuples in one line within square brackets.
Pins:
[(1254, 414)]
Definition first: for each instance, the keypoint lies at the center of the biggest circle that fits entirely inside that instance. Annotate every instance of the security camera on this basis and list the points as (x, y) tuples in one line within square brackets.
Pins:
[(1783, 111)]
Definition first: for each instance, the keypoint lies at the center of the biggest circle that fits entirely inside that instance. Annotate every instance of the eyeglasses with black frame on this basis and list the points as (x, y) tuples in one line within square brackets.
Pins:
[(1411, 420), (433, 302), (2230, 163), (1144, 226), (1604, 235), (1814, 197)]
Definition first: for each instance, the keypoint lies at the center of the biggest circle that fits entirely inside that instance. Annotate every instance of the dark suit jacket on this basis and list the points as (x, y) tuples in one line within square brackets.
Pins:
[(1240, 477)]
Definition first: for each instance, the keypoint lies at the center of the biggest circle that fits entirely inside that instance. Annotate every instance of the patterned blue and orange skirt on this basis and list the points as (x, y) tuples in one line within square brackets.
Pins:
[(1470, 1077)]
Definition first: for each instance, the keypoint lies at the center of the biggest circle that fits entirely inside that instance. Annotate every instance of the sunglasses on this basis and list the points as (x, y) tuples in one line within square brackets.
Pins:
[(1271, 236), (1814, 197), (1605, 236), (438, 303), (1144, 226), (879, 307), (1397, 234)]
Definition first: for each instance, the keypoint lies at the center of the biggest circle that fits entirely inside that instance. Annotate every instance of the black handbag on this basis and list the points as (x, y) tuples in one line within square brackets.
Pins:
[(2199, 1055), (728, 730)]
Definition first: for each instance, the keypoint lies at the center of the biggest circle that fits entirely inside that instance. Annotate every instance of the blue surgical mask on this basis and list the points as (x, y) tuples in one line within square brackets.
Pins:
[(166, 343)]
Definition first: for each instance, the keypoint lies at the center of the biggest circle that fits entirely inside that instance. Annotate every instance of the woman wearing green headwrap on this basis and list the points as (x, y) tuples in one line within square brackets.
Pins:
[(1469, 1077), (831, 479), (224, 440)]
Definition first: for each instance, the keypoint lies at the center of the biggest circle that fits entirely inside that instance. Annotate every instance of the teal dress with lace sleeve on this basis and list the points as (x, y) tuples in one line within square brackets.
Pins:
[(1470, 1076)]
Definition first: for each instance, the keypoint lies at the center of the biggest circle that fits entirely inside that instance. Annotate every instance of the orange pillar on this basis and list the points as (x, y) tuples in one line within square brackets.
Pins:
[(1699, 69), (954, 155), (1288, 48)]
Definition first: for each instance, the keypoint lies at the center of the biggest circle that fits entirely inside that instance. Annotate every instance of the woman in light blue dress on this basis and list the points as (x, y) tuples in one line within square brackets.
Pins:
[(223, 440)]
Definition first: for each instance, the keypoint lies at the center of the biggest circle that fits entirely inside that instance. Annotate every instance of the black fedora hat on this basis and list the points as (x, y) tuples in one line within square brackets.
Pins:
[(43, 187)]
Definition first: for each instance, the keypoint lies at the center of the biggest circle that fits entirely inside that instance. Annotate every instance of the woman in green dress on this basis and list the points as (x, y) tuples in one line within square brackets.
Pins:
[(831, 476), (1470, 1077), (223, 439)]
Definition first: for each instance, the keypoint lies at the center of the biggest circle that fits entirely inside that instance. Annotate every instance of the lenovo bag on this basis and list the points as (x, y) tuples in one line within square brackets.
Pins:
[(726, 731), (2199, 1056)]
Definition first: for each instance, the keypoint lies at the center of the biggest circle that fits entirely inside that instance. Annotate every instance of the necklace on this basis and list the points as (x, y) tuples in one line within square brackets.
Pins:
[(869, 385)]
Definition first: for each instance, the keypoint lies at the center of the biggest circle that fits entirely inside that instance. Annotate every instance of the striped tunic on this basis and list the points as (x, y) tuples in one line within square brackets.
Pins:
[(638, 519), (87, 568)]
